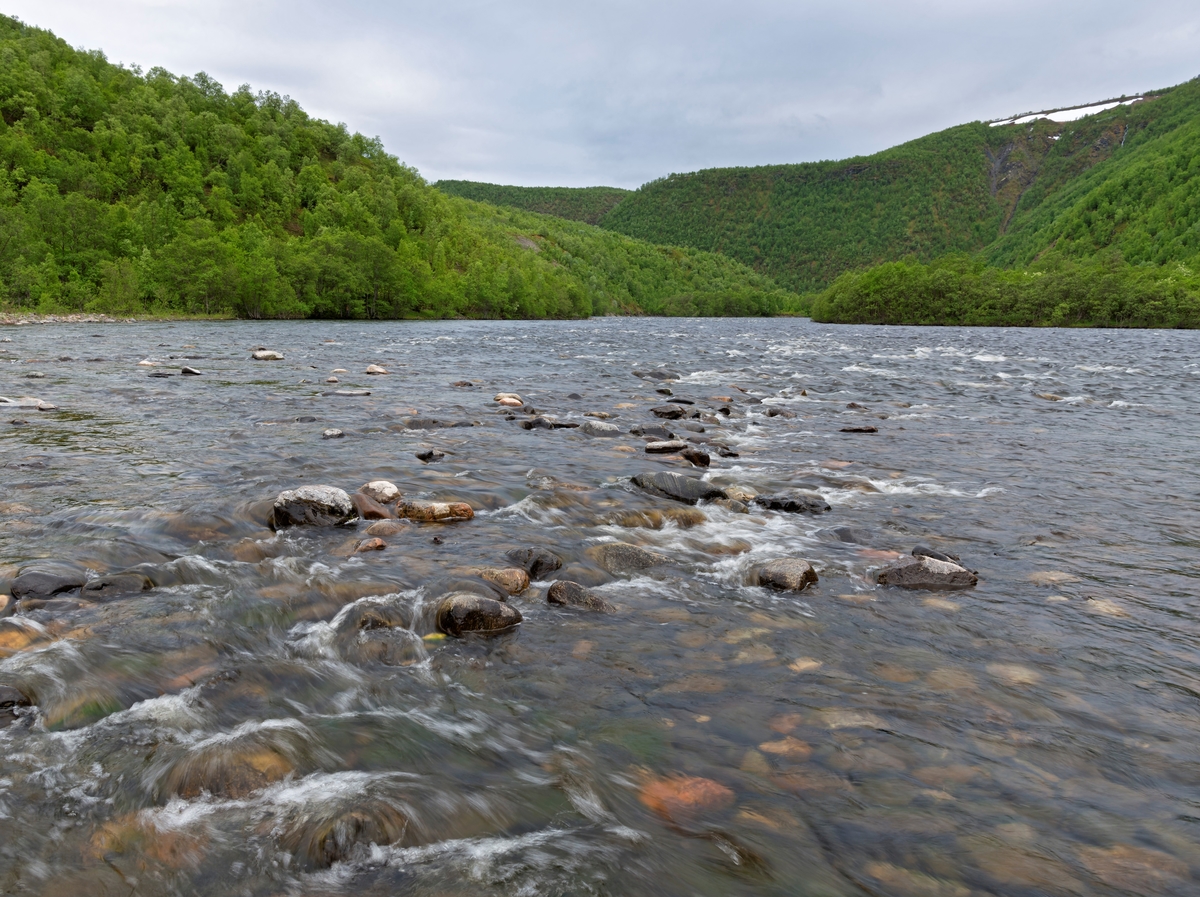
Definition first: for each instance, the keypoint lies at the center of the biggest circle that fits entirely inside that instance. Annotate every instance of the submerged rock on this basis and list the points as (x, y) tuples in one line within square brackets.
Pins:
[(434, 511), (387, 528), (684, 518), (312, 506), (320, 836), (652, 431), (572, 594), (657, 375), (465, 612), (429, 456), (786, 575), (860, 429), (598, 428), (119, 585), (922, 552), (793, 503), (669, 484), (513, 580), (926, 573), (537, 562), (39, 585), (368, 508), (619, 557)]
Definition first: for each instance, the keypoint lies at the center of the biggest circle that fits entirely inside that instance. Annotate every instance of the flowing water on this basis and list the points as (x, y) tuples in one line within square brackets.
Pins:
[(232, 731)]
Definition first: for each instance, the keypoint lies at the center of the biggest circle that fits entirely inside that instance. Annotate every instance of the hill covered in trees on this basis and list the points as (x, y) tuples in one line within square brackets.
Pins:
[(128, 192), (1121, 181), (586, 204)]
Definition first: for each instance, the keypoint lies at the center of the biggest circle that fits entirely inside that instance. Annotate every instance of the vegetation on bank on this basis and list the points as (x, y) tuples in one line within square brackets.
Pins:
[(1057, 292), (136, 193), (586, 204)]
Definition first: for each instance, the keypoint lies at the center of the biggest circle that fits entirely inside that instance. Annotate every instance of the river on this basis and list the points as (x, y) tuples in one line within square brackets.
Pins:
[(224, 731)]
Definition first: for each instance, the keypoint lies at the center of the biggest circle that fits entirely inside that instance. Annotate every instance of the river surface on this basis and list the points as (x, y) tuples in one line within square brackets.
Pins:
[(225, 733)]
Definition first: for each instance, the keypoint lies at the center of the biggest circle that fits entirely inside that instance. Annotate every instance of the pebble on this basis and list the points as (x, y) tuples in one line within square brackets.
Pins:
[(572, 594), (332, 380)]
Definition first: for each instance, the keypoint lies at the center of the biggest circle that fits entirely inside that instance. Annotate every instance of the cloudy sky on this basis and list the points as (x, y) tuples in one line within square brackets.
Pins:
[(619, 92)]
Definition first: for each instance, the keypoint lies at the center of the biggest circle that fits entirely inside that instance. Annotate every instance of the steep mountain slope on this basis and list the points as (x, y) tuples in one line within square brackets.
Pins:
[(127, 192), (586, 204)]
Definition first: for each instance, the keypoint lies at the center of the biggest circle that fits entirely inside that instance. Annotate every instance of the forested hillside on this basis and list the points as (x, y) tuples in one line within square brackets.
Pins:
[(130, 193), (1122, 179), (587, 204)]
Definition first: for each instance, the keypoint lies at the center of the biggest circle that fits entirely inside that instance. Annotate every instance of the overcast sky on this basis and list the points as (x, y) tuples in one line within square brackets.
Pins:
[(619, 92)]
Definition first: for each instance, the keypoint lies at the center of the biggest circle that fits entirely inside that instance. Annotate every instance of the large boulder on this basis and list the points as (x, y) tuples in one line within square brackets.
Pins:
[(312, 506), (572, 594), (537, 562), (41, 585), (669, 484), (464, 612), (926, 573), (793, 503), (619, 557), (786, 575)]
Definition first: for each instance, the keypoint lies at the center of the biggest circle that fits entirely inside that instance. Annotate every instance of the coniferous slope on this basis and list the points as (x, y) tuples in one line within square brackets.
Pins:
[(587, 204), (128, 193)]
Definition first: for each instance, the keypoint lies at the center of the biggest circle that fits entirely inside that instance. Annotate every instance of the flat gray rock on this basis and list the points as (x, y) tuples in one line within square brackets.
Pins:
[(665, 447), (669, 484), (599, 428), (618, 557)]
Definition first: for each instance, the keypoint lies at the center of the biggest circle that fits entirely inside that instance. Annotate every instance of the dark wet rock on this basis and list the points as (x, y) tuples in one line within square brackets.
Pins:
[(429, 456), (657, 375), (669, 484), (855, 406), (564, 425), (463, 612), (668, 412), (572, 594), (40, 585), (11, 698), (462, 384), (117, 585), (665, 448), (665, 391), (537, 562), (860, 429), (368, 508), (574, 395), (697, 457), (35, 375), (786, 575), (926, 573), (160, 375), (332, 433), (189, 372), (423, 423), (312, 506), (434, 511), (793, 503), (538, 423), (652, 432), (922, 552), (619, 557), (307, 419), (781, 412), (680, 400), (726, 452), (598, 428)]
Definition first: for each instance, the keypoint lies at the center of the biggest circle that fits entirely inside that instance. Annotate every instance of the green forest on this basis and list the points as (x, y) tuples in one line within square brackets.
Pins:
[(586, 204), (1104, 203), (135, 193)]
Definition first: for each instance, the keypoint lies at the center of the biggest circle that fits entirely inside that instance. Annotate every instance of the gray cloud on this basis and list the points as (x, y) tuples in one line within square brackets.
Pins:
[(620, 92)]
